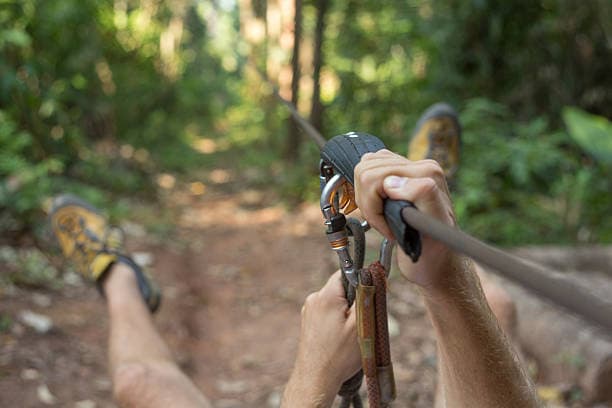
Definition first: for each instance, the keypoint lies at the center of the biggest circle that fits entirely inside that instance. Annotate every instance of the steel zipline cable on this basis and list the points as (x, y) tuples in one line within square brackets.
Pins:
[(539, 280), (304, 124)]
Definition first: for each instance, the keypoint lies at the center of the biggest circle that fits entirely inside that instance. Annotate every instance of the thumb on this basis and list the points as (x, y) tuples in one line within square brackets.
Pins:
[(423, 192), (417, 190), (333, 289)]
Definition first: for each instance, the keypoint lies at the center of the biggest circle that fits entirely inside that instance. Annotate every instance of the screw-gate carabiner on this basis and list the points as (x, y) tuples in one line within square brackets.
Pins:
[(337, 233)]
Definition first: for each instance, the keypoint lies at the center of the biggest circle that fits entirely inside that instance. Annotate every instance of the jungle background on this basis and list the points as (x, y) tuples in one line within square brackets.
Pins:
[(154, 111)]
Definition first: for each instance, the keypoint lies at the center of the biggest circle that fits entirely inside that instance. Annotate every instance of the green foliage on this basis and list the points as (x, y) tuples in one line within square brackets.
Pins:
[(28, 267), (521, 183), (378, 55), (98, 97), (24, 180), (593, 133), (88, 103), (534, 56)]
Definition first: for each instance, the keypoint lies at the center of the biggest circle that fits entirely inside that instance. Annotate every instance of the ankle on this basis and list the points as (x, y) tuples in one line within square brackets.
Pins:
[(125, 282), (120, 278)]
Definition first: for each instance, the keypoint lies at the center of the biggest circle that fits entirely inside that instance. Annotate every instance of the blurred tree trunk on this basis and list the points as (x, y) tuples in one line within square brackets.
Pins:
[(273, 33), (316, 110), (260, 46), (253, 29), (294, 139)]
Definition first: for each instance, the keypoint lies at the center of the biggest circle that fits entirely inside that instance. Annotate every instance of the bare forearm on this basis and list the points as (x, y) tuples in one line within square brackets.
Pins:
[(477, 365), (304, 391)]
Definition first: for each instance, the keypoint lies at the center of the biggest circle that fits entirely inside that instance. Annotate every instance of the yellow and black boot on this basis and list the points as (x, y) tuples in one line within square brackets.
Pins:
[(437, 136), (93, 246)]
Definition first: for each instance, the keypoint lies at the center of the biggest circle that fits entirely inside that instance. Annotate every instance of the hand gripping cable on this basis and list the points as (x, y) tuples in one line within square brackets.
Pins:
[(339, 156), (405, 220)]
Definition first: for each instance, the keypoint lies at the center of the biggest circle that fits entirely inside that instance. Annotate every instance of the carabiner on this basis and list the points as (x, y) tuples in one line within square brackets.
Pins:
[(386, 252), (335, 221)]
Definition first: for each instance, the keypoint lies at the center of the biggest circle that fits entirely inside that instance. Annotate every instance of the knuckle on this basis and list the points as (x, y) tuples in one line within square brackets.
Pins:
[(428, 187), (367, 177), (358, 169), (361, 176), (434, 169), (367, 156)]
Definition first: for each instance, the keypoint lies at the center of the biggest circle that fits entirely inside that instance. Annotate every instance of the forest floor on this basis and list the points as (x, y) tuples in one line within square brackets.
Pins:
[(234, 272)]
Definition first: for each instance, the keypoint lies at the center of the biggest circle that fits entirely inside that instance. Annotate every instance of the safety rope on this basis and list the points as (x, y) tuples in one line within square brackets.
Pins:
[(372, 325), (377, 368)]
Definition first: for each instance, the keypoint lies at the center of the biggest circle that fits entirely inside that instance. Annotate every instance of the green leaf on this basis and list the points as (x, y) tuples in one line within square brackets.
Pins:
[(79, 82), (16, 37), (593, 133)]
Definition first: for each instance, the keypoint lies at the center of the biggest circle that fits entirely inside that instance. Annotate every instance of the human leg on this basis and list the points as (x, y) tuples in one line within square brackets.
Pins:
[(143, 371), (142, 368)]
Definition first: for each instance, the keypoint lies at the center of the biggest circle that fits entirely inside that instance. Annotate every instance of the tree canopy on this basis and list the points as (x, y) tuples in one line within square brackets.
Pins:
[(100, 97)]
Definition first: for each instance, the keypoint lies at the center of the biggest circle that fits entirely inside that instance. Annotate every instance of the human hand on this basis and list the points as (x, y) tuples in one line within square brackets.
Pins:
[(384, 175), (328, 352)]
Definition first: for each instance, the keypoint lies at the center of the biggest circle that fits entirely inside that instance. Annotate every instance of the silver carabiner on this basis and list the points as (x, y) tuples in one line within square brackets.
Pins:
[(386, 253), (337, 234)]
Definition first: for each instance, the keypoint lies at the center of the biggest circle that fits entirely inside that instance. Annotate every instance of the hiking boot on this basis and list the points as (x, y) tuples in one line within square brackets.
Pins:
[(437, 136), (93, 246)]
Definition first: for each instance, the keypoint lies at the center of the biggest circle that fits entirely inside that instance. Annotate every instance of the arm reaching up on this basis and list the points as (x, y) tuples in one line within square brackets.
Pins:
[(477, 365)]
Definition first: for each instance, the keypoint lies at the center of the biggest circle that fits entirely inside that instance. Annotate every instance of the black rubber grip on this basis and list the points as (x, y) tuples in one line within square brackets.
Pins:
[(343, 152), (407, 237)]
